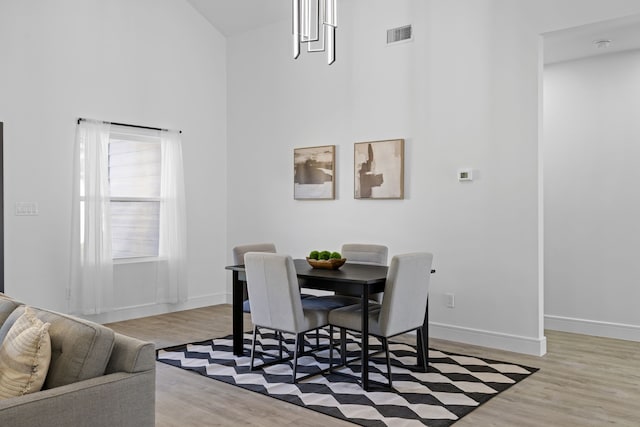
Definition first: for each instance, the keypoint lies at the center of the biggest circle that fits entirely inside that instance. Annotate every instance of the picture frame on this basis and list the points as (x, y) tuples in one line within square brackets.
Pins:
[(314, 173), (378, 169)]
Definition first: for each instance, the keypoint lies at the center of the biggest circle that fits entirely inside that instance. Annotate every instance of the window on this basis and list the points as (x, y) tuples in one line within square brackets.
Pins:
[(134, 188), (128, 203)]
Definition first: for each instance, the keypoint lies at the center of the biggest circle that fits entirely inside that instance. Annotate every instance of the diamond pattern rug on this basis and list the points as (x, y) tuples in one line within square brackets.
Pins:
[(454, 386)]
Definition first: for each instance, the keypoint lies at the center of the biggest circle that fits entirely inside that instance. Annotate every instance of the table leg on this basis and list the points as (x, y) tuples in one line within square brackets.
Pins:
[(422, 340), (238, 346), (365, 338)]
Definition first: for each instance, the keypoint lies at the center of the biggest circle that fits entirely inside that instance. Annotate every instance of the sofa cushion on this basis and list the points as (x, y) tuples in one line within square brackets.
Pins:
[(80, 349), (25, 355), (7, 306)]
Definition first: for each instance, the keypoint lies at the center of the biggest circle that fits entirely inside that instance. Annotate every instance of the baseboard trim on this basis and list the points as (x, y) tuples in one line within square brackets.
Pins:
[(592, 327), (508, 342), (153, 309)]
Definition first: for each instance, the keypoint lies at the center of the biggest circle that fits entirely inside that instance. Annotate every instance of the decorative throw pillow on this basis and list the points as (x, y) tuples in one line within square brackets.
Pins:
[(25, 355)]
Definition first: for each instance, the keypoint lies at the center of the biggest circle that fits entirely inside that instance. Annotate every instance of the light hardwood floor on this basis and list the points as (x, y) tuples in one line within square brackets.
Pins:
[(583, 381)]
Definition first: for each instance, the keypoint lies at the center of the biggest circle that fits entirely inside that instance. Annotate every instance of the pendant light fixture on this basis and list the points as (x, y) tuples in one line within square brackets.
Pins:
[(315, 23)]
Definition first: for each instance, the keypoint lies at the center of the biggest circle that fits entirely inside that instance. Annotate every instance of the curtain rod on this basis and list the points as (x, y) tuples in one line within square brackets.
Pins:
[(127, 125)]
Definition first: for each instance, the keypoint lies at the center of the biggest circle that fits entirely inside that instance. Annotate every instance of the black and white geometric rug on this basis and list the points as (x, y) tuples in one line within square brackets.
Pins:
[(454, 386)]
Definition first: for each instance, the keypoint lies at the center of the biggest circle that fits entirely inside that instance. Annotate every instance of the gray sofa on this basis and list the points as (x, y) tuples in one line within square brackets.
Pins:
[(96, 377)]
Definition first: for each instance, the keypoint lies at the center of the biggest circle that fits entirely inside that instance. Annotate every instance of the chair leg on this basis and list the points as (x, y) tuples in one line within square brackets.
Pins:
[(385, 345), (330, 347), (424, 350), (280, 342), (343, 346), (253, 347), (318, 338), (295, 358)]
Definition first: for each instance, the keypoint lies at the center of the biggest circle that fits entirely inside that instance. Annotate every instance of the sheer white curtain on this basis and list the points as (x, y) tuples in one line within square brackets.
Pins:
[(91, 284), (173, 221)]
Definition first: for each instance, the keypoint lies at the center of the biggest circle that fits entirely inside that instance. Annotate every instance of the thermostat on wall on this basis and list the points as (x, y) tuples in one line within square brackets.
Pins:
[(465, 175)]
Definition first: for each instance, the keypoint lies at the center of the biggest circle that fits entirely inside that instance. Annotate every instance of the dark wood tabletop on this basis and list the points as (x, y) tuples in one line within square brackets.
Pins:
[(356, 273)]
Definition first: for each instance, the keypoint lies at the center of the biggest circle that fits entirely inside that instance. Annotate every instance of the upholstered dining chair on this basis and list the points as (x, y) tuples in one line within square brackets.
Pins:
[(276, 303), (403, 306), (238, 259), (356, 253), (360, 253)]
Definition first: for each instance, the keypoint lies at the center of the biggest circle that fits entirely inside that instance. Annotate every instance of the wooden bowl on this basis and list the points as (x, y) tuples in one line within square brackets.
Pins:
[(327, 264)]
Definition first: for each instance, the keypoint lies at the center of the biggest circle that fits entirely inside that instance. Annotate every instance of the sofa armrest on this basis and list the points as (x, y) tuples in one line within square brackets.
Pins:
[(118, 399), (131, 355)]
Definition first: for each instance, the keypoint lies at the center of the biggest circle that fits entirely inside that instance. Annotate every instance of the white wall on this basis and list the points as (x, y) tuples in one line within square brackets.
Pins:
[(148, 62), (464, 93), (591, 195)]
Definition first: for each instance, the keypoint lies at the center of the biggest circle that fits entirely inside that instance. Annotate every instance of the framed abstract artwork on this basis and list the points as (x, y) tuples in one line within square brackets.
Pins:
[(379, 169), (314, 173)]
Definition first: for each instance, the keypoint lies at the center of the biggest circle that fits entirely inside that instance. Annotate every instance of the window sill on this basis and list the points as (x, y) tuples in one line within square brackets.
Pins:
[(137, 260)]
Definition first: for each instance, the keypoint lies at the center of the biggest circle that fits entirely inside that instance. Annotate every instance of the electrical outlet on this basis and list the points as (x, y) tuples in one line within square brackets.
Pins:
[(451, 300), (465, 175)]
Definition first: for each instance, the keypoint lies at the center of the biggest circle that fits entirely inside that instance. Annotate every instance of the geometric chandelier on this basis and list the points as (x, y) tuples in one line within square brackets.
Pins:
[(315, 23)]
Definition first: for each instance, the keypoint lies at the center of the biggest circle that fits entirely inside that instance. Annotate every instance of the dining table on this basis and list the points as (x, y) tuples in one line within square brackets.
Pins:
[(354, 279)]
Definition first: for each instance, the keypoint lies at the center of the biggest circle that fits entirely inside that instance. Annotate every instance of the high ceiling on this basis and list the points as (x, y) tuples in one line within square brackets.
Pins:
[(232, 17)]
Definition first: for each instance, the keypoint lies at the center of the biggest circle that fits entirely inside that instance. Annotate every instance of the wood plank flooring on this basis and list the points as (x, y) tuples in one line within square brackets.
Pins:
[(583, 381)]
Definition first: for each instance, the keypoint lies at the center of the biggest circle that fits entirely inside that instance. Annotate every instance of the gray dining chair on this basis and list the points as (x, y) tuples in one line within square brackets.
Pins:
[(356, 253), (238, 259), (360, 253), (276, 303), (403, 307), (365, 253)]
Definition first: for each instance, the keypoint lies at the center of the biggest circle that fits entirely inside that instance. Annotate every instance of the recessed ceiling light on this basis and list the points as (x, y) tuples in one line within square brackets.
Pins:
[(602, 44)]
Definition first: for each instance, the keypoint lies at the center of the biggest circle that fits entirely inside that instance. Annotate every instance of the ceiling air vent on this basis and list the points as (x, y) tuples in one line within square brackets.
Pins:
[(399, 34)]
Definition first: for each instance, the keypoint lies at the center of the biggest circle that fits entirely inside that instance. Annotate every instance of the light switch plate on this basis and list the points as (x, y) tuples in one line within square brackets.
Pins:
[(451, 300), (26, 208)]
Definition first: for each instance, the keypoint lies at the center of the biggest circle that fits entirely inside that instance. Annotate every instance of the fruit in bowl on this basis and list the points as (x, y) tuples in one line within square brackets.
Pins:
[(326, 260)]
